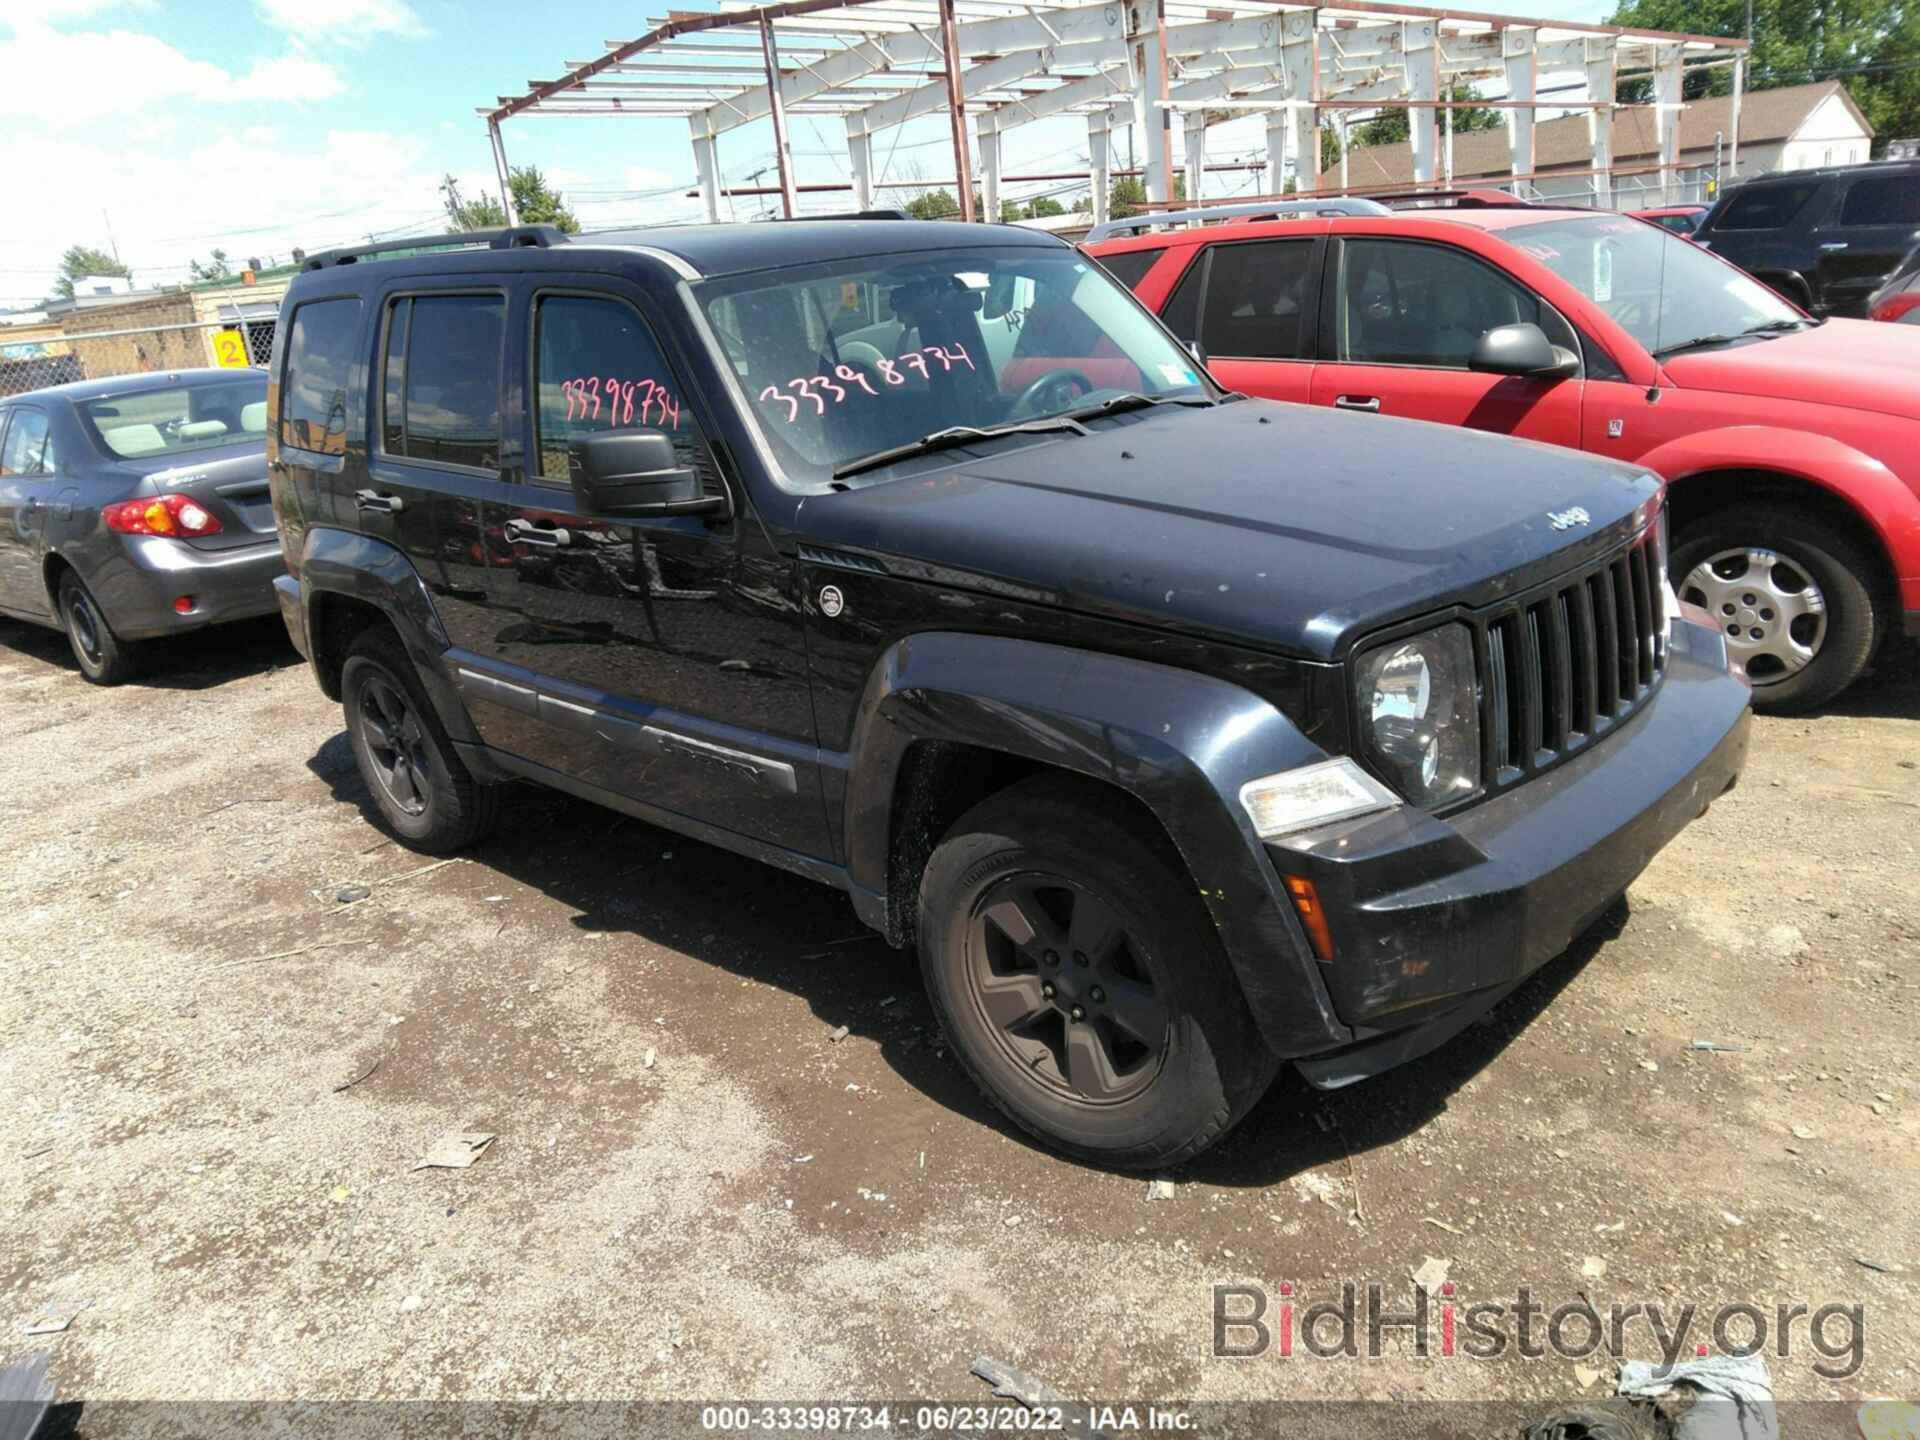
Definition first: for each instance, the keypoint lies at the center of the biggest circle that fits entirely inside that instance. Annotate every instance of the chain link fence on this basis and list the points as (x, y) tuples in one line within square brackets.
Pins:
[(33, 362)]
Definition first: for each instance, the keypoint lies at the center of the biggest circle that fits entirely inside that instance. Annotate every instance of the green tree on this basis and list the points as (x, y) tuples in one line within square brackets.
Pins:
[(1129, 195), (536, 203), (216, 268), (1044, 206), (82, 260), (1329, 149), (1871, 45), (934, 205), (1393, 126)]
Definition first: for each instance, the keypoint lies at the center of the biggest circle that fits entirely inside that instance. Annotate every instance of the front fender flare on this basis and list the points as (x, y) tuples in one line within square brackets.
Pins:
[(1879, 497), (1180, 742), (359, 567)]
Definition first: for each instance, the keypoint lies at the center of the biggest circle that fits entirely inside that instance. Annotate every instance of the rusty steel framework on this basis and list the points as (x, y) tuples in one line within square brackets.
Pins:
[(1153, 65)]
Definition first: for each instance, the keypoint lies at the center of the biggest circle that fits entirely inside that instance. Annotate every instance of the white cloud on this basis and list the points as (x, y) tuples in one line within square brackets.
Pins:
[(344, 21), (61, 78), (167, 204)]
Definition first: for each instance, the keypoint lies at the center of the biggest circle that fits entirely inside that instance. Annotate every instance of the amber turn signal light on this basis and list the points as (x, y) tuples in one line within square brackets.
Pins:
[(1313, 917)]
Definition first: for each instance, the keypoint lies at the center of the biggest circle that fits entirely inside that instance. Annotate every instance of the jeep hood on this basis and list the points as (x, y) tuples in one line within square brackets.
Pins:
[(1283, 526), (1859, 364)]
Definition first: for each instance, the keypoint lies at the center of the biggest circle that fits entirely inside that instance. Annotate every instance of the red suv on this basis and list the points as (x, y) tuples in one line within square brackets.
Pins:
[(1792, 445)]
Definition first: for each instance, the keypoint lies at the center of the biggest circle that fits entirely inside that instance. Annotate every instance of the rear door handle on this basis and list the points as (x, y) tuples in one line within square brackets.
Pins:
[(1834, 245), (380, 504), (1368, 403)]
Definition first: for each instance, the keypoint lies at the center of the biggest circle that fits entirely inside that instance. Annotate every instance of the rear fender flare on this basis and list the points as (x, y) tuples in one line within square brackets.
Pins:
[(1882, 501), (359, 567), (1180, 742)]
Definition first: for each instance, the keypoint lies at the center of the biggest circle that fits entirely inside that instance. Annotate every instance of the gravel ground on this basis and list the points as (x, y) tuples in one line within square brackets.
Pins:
[(218, 1078)]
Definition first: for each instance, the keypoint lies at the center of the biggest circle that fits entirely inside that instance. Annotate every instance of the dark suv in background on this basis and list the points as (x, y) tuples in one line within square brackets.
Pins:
[(1182, 733), (1825, 239)]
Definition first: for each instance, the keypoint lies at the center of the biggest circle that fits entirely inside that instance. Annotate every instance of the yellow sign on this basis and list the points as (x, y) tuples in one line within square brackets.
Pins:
[(230, 350)]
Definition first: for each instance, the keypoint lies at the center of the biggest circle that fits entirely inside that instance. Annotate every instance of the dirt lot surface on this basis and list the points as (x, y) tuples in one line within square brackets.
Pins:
[(218, 1077)]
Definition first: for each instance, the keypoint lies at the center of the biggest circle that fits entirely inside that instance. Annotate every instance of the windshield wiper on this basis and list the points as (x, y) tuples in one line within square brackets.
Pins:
[(1771, 327), (956, 435), (1132, 400)]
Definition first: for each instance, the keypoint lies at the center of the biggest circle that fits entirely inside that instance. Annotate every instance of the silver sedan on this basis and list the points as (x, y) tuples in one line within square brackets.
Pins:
[(136, 507)]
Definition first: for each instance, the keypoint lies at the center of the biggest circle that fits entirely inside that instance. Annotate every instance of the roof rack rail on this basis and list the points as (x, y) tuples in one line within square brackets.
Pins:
[(1478, 199), (509, 237), (878, 213), (1330, 207)]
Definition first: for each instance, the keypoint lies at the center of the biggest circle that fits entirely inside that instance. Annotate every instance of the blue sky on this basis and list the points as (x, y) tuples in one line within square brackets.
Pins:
[(257, 125)]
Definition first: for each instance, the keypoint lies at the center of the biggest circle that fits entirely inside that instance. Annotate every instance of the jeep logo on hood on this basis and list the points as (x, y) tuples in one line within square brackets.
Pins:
[(1567, 519)]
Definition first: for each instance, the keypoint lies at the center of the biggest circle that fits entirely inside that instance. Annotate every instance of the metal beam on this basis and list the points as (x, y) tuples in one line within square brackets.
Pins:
[(957, 109), (782, 153), (1519, 45), (1423, 83), (1300, 58), (503, 172), (1602, 86), (1666, 115)]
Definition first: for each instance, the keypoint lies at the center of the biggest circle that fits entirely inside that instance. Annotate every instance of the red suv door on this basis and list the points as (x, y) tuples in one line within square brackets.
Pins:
[(1253, 305), (1400, 323)]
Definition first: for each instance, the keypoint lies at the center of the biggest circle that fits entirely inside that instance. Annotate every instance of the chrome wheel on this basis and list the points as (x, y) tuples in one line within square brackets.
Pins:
[(1773, 614), (396, 743), (1064, 989)]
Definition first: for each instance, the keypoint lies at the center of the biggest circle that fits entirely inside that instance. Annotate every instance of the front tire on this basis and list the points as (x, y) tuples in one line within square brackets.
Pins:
[(423, 791), (1081, 981), (1790, 594), (104, 658)]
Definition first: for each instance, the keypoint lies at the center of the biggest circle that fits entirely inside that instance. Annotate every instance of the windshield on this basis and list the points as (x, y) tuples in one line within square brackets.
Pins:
[(181, 417), (1665, 291), (853, 358)]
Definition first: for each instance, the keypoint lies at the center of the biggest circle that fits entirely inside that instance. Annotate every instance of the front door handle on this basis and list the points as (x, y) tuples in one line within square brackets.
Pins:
[(1368, 403), (380, 504), (525, 532), (1834, 245)]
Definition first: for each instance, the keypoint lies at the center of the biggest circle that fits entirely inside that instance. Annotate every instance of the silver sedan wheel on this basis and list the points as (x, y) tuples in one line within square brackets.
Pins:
[(1773, 615)]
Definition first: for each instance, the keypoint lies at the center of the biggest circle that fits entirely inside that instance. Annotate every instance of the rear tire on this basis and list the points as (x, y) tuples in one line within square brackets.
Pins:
[(424, 794), (1081, 981), (1805, 619), (104, 658)]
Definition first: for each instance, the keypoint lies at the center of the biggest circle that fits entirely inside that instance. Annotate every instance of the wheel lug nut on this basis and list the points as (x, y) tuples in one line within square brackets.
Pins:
[(1048, 989), (1746, 599), (1052, 957), (1078, 1012), (1726, 609), (1096, 995)]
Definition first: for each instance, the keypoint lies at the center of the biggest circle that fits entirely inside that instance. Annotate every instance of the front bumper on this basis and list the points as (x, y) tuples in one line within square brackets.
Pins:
[(137, 585), (1434, 920)]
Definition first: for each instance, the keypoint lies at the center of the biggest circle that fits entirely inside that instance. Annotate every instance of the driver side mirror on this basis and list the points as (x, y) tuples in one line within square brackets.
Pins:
[(1522, 350), (636, 472)]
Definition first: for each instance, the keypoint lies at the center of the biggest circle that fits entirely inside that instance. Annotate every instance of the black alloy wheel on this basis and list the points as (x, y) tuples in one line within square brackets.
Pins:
[(396, 743)]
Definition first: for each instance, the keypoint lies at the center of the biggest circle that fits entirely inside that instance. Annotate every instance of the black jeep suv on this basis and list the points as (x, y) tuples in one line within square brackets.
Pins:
[(1182, 733), (1825, 239)]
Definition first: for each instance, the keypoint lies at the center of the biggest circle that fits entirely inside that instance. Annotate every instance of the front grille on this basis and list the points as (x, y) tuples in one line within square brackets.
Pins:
[(1566, 664)]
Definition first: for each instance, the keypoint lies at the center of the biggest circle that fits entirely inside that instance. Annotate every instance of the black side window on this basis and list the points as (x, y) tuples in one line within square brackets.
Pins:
[(1132, 267), (598, 367), (1764, 207), (1401, 303), (1886, 200), (1182, 315), (313, 393), (1257, 300), (440, 383)]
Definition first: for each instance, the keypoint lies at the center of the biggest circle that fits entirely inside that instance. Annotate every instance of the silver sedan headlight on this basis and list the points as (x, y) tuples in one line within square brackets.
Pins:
[(1419, 701)]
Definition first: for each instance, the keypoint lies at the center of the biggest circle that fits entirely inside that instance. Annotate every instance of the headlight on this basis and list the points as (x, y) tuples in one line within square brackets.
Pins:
[(1420, 714)]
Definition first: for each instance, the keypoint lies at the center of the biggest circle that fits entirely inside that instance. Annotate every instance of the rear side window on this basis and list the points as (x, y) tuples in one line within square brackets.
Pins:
[(313, 394), (1886, 200), (1132, 267), (28, 448), (1765, 207), (1257, 301), (440, 379), (181, 417), (598, 367)]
